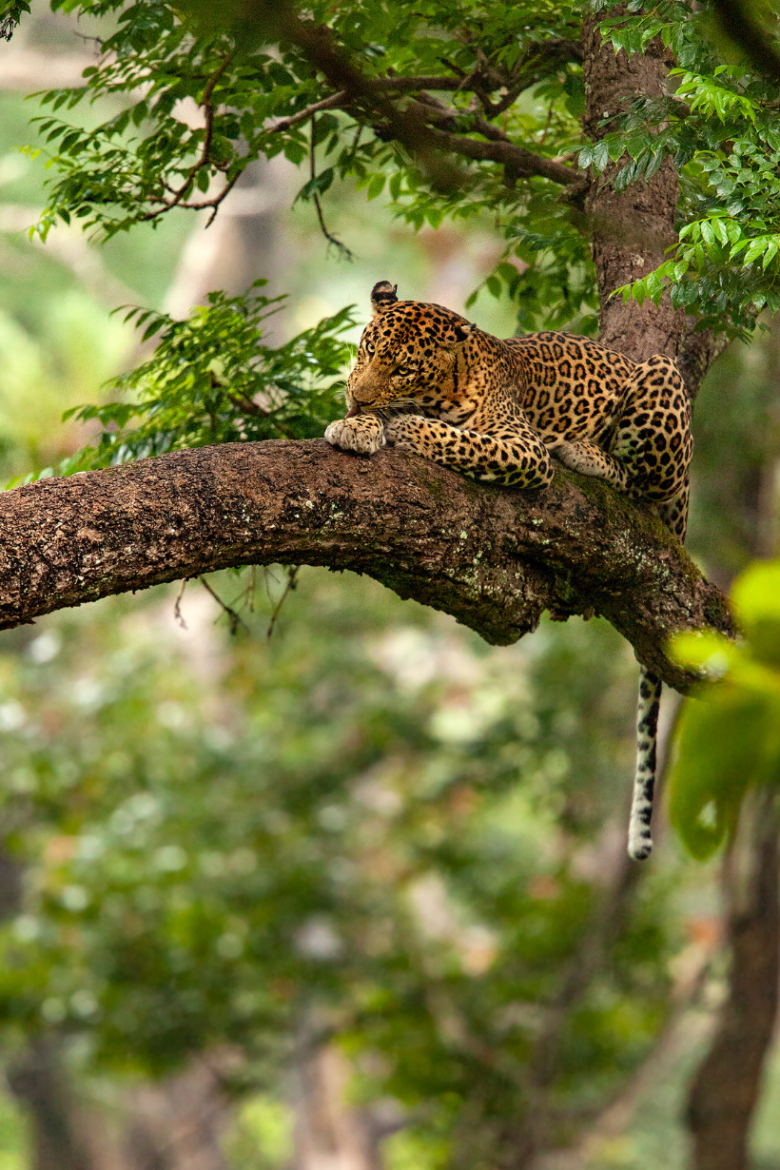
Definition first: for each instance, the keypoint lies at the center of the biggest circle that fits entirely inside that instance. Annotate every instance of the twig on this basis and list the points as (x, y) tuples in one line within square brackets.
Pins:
[(7, 26), (316, 199), (177, 605), (249, 406), (328, 103), (292, 575), (178, 193), (234, 618), (543, 139), (524, 162)]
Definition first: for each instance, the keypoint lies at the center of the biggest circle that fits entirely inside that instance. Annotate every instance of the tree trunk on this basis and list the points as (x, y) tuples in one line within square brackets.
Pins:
[(726, 1087), (330, 1133), (630, 230), (39, 1085)]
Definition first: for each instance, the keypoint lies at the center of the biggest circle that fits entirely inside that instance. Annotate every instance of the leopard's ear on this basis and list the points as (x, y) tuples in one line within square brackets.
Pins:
[(462, 331), (383, 297)]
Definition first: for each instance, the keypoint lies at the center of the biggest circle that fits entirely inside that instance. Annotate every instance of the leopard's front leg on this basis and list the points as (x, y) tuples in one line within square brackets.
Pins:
[(513, 456), (364, 433)]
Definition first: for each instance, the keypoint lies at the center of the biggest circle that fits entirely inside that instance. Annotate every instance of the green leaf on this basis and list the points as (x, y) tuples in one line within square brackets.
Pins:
[(720, 751), (729, 739), (756, 248), (756, 598), (493, 286), (600, 156), (376, 186)]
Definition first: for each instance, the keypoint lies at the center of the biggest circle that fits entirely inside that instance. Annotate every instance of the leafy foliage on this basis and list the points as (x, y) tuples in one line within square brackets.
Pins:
[(10, 16), (375, 94), (254, 100), (211, 380), (412, 854), (719, 127), (730, 739)]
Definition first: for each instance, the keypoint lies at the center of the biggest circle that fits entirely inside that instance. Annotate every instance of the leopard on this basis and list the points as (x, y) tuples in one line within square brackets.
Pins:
[(498, 410)]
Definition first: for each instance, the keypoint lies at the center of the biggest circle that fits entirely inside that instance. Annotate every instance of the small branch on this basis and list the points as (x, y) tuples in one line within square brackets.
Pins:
[(177, 605), (412, 127), (177, 194), (235, 620), (335, 101), (501, 150), (212, 81), (348, 255), (341, 72), (208, 113), (316, 200), (341, 99), (201, 205), (292, 581)]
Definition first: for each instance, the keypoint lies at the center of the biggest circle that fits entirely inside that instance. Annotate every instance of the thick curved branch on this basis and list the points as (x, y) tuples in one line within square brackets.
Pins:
[(495, 558)]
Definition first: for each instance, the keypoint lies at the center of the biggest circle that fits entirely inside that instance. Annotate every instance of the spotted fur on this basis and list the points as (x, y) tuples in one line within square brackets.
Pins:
[(427, 379)]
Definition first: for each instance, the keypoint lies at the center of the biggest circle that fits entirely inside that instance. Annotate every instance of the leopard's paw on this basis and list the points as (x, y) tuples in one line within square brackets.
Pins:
[(575, 458), (563, 450), (363, 433)]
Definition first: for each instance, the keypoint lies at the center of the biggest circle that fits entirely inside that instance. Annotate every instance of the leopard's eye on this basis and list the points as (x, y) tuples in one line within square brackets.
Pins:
[(369, 348)]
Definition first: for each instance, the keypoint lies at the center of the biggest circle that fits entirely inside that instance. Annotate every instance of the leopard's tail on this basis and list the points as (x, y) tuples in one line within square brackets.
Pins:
[(640, 841)]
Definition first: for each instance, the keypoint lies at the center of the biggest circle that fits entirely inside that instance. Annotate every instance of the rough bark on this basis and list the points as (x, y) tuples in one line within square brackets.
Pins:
[(726, 1087), (493, 557), (631, 229)]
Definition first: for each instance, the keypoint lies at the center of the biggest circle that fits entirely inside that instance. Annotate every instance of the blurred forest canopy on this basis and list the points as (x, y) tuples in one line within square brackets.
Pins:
[(358, 891)]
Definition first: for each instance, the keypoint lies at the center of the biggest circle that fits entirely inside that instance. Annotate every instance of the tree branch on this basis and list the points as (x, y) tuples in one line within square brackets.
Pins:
[(366, 95), (495, 558), (499, 148), (521, 161)]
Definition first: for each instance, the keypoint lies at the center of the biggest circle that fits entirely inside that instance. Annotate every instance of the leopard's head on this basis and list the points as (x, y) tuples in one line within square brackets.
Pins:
[(406, 355)]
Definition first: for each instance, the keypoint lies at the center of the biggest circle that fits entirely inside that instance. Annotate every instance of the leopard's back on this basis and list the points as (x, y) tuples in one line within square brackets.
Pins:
[(570, 384)]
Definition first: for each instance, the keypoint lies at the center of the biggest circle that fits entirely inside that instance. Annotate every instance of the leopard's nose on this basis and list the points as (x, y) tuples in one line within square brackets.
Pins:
[(359, 394)]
